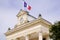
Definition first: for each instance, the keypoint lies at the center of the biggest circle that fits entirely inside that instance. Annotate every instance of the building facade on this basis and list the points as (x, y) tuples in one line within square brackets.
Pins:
[(29, 28)]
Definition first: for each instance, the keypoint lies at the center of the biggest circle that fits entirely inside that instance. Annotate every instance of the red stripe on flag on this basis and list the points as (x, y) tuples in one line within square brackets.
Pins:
[(29, 7)]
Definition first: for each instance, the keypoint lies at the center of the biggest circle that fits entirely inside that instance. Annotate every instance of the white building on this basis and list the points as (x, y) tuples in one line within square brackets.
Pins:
[(29, 28)]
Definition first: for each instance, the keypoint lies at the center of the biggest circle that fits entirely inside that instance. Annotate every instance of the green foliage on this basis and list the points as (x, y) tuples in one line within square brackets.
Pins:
[(55, 31)]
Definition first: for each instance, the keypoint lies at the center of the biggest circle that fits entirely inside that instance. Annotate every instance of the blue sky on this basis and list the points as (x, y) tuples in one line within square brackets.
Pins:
[(50, 10)]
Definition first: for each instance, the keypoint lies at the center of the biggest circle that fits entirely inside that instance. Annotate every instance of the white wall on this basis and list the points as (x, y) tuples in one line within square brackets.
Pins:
[(36, 28), (30, 18)]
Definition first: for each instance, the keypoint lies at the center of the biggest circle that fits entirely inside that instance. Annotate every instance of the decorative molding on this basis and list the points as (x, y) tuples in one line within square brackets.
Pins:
[(28, 25)]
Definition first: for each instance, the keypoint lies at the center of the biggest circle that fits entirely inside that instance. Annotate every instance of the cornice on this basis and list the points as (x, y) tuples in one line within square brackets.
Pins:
[(26, 25), (31, 15)]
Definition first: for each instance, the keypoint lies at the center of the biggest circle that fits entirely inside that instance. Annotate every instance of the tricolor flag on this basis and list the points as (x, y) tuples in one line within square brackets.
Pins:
[(27, 6)]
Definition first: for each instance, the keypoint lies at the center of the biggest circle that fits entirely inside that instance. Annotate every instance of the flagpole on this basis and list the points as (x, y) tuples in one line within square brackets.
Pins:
[(24, 0), (23, 6)]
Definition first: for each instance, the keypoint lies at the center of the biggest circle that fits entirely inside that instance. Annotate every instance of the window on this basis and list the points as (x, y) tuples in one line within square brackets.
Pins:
[(44, 38)]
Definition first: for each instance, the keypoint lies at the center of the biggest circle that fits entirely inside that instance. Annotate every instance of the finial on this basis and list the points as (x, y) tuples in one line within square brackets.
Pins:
[(20, 9), (9, 29), (39, 15)]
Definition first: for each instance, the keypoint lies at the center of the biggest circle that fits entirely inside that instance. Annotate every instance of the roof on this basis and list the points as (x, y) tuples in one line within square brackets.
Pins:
[(31, 16), (25, 25)]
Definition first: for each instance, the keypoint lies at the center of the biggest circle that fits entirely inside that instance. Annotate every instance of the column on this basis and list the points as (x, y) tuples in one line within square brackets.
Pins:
[(48, 38), (13, 39), (26, 38), (40, 36), (17, 39)]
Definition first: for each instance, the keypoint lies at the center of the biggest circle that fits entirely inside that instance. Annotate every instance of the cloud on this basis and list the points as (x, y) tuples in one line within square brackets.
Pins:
[(2, 37), (4, 3), (50, 9), (10, 4)]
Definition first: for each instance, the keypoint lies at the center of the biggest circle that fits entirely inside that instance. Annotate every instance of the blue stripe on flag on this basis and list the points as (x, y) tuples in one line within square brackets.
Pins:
[(25, 4)]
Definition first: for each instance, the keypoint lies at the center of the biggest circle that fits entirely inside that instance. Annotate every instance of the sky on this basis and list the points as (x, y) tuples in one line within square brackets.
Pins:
[(49, 9)]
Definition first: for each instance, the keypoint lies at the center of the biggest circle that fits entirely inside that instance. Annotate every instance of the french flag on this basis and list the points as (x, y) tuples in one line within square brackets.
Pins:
[(27, 6)]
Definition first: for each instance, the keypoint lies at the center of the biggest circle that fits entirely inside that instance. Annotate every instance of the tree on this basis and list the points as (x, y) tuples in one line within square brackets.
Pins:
[(55, 31)]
